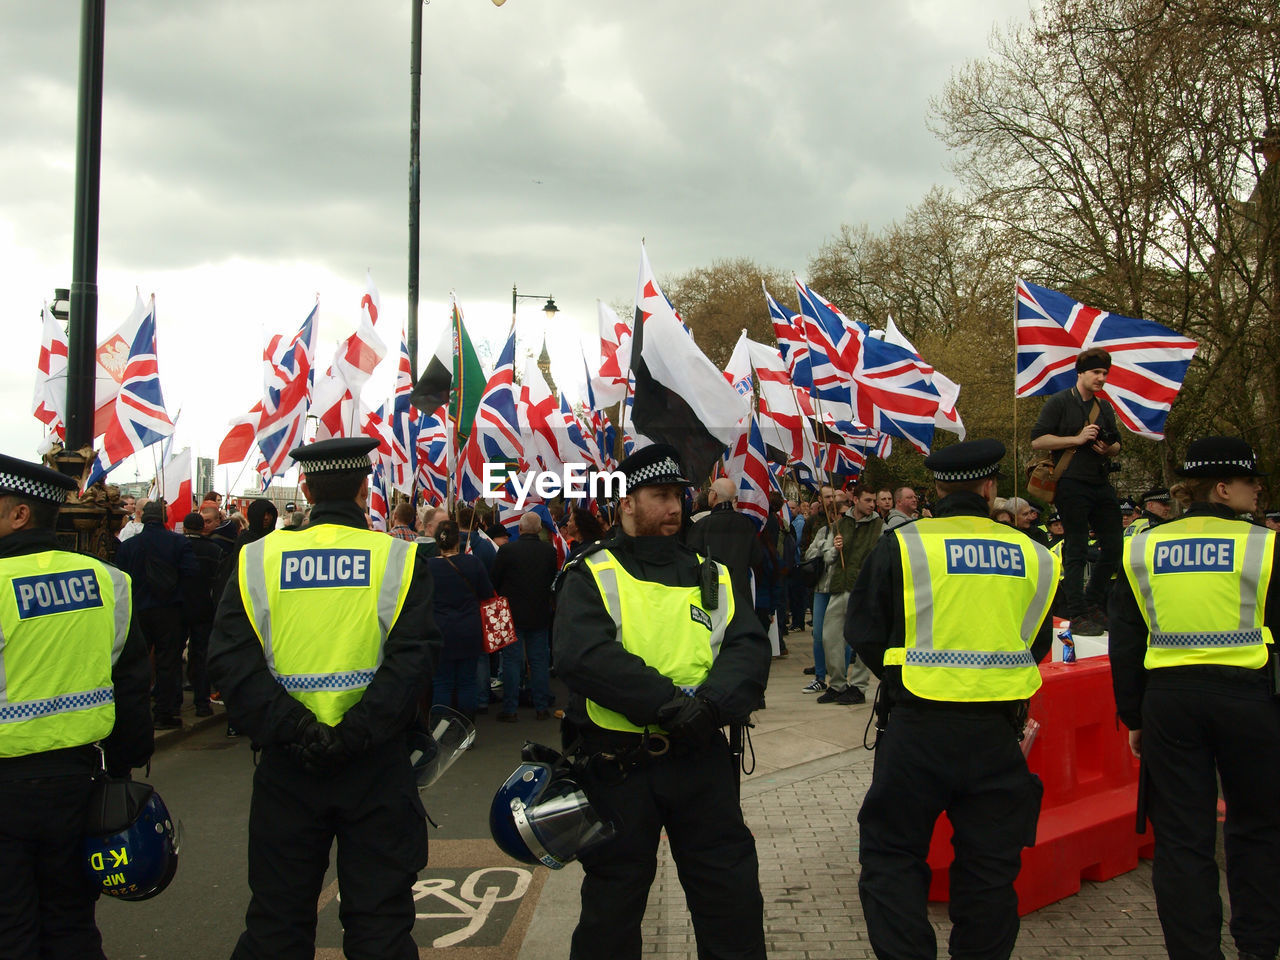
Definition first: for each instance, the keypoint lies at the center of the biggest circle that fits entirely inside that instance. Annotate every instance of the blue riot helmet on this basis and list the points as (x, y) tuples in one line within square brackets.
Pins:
[(131, 850), (542, 815)]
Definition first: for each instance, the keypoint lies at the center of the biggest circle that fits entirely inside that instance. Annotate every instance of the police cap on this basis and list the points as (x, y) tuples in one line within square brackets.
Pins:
[(1156, 495), (1220, 457), (1272, 514), (1053, 517), (339, 455), (655, 465), (1128, 506), (33, 481), (970, 460)]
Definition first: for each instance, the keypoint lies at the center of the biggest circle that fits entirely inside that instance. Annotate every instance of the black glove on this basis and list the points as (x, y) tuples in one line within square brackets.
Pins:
[(690, 719), (316, 747)]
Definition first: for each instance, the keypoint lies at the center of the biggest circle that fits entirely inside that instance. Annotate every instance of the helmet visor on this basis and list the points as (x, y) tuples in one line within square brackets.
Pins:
[(563, 824), (452, 733)]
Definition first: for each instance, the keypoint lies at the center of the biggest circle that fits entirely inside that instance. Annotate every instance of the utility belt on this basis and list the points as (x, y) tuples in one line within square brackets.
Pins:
[(1262, 680), (1013, 712)]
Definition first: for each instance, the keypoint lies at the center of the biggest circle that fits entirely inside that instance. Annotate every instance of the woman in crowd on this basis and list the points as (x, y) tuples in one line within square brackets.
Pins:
[(461, 584)]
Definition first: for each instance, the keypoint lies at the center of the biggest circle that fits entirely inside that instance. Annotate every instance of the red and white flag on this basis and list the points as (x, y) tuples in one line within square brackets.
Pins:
[(175, 488), (49, 404), (610, 385)]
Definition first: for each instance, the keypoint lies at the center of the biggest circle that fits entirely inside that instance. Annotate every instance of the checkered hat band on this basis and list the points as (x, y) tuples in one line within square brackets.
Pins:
[(336, 465), (663, 468), (1194, 464), (332, 682), (953, 476), (36, 489), (65, 703)]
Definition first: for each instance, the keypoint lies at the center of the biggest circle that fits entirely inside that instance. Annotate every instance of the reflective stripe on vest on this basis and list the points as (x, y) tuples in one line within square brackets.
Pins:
[(1138, 525), (64, 619), (322, 601), (1202, 584), (975, 594), (666, 627)]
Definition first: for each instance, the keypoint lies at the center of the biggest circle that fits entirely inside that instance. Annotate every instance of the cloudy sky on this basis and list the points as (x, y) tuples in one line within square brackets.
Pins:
[(255, 154)]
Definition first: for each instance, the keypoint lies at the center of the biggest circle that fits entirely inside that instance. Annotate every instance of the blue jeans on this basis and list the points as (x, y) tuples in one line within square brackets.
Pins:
[(819, 654), (457, 677), (536, 644)]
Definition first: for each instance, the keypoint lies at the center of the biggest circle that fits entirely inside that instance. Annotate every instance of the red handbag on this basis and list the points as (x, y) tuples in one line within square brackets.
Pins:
[(496, 626)]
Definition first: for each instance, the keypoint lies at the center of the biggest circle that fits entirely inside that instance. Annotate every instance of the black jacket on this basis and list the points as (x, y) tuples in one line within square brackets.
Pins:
[(523, 573), (155, 547), (259, 706), (729, 537), (593, 664), (131, 741), (876, 620), (201, 598), (461, 585), (1128, 644), (1064, 415)]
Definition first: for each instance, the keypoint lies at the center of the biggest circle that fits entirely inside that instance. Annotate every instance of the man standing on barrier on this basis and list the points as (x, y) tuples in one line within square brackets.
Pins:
[(1196, 678), (951, 613), (74, 673), (659, 652), (322, 647)]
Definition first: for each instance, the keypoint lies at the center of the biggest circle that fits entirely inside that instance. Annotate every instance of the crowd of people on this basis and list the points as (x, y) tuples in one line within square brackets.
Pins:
[(657, 614)]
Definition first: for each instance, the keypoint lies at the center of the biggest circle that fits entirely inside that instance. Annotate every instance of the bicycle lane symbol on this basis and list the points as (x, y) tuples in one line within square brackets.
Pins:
[(473, 902)]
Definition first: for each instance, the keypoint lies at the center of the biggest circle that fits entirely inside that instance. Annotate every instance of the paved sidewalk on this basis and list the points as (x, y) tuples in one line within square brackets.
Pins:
[(802, 804)]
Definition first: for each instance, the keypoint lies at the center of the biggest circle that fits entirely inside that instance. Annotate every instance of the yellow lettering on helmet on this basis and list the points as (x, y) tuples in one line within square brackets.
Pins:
[(95, 862), (119, 857)]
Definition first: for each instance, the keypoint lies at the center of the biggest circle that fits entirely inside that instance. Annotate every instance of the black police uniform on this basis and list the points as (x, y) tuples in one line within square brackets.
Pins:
[(691, 791), (1201, 723), (47, 909), (369, 803), (932, 756)]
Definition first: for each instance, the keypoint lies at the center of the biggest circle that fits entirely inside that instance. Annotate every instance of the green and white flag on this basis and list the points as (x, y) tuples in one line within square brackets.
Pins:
[(453, 375)]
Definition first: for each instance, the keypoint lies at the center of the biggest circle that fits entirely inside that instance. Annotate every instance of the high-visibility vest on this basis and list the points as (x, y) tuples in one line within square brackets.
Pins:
[(322, 601), (975, 594), (1202, 584), (64, 618), (1138, 525), (666, 627)]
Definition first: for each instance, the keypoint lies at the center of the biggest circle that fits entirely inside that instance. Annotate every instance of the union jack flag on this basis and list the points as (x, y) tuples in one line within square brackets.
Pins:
[(788, 328), (747, 465), (830, 342), (379, 503), (434, 439), (289, 370), (405, 424), (891, 394), (495, 438), (139, 418), (1148, 361)]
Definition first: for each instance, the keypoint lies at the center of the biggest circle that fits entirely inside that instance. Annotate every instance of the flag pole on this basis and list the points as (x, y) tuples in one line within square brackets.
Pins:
[(1015, 388)]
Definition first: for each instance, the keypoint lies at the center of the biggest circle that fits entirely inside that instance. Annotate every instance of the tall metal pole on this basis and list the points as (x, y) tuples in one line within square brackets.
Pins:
[(82, 331), (415, 98)]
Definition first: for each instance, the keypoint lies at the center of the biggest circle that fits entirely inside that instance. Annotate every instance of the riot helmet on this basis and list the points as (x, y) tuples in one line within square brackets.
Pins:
[(431, 753), (132, 843), (543, 815)]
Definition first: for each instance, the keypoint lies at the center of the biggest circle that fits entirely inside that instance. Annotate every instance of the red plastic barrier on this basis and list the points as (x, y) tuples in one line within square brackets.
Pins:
[(1090, 791)]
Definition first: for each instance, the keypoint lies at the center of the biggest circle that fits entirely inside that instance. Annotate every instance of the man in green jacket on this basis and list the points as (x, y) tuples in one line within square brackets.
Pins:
[(846, 544)]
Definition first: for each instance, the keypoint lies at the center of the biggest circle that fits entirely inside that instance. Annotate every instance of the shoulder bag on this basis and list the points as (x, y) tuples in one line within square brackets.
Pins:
[(496, 626), (1043, 475)]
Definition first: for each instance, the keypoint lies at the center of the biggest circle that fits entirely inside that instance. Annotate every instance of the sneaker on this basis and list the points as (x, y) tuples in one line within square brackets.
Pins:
[(1085, 626), (232, 731), (813, 686), (831, 696), (507, 718), (809, 671), (851, 696), (495, 683), (216, 697)]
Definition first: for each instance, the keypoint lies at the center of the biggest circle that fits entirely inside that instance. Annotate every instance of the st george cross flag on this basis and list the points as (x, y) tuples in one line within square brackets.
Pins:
[(542, 433), (50, 401), (680, 396), (781, 421), (139, 418), (1148, 361)]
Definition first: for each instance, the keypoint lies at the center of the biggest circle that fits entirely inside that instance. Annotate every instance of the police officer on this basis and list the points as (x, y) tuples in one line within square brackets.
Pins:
[(75, 673), (1157, 507), (651, 639), (951, 614), (321, 646), (1193, 665)]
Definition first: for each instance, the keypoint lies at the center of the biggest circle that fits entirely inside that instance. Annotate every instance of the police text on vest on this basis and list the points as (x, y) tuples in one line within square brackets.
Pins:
[(48, 593), (316, 569), (985, 556), (1194, 556)]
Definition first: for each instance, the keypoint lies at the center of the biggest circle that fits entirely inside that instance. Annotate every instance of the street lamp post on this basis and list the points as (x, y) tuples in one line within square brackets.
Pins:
[(549, 308)]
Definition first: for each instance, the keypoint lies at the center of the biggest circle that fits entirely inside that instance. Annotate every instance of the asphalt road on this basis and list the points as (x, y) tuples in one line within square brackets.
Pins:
[(469, 890)]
